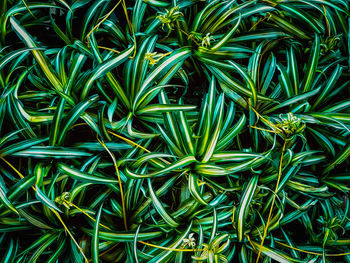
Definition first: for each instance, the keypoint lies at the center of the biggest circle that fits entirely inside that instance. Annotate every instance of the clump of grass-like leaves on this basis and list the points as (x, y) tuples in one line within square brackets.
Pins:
[(174, 131)]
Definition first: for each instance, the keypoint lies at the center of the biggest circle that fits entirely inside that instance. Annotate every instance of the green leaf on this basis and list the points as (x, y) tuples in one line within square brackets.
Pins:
[(105, 68), (159, 108), (5, 201), (341, 157), (73, 116), (124, 236), (159, 207), (185, 161), (80, 176), (194, 189), (242, 210), (312, 64), (39, 56), (42, 197), (95, 238)]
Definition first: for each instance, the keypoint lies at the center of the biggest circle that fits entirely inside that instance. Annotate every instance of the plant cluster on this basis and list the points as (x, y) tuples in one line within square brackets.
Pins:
[(174, 131)]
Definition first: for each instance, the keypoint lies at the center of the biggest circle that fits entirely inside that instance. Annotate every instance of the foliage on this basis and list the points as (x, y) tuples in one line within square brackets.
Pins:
[(174, 131)]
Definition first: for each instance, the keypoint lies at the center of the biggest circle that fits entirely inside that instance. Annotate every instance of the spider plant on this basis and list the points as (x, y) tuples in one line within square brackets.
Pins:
[(174, 131)]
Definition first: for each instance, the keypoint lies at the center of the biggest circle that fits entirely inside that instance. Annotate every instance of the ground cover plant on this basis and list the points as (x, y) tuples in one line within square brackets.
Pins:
[(174, 131)]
